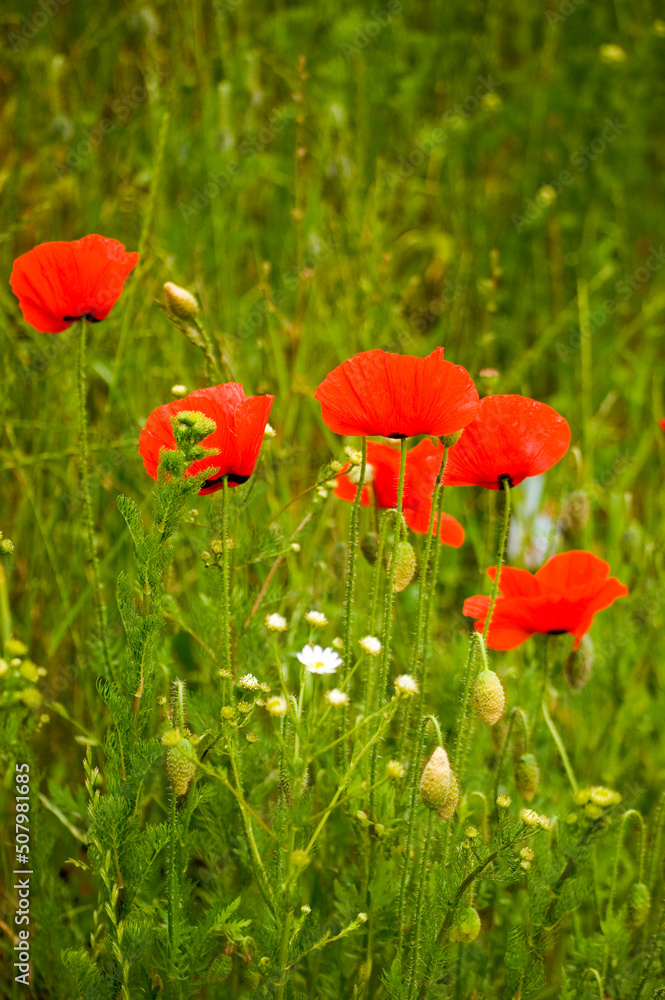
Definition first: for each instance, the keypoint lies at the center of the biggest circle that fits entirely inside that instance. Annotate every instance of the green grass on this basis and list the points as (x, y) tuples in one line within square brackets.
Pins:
[(312, 157)]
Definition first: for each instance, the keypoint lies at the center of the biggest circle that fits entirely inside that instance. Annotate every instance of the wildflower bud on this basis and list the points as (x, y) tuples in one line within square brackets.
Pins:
[(639, 904), (181, 762), (435, 780), (447, 810), (448, 440), (180, 302), (577, 510), (405, 566), (219, 970), (190, 427), (578, 666), (354, 475), (489, 698), (369, 546), (6, 546), (171, 738), (276, 706), (14, 647), (179, 390), (527, 777), (395, 770), (466, 927)]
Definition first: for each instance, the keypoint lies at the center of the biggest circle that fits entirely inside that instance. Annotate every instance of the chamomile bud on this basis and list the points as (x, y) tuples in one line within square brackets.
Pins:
[(248, 682), (435, 780), (639, 904), (405, 566), (395, 770), (180, 302), (276, 706), (527, 777), (370, 645), (406, 686), (503, 801), (337, 698), (275, 623), (489, 698), (316, 618)]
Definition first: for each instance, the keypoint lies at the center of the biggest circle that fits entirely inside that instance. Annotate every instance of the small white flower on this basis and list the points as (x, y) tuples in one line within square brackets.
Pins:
[(406, 685), (318, 660), (249, 682), (269, 432), (179, 390), (276, 705), (354, 475), (337, 698), (370, 644), (305, 909), (316, 618), (530, 817), (276, 623), (295, 546)]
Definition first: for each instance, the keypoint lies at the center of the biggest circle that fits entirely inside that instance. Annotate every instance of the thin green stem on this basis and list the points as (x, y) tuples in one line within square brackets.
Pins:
[(87, 502), (502, 547), (422, 881), (629, 814), (426, 583), (414, 776), (173, 893), (226, 596), (560, 747), (516, 712), (353, 545)]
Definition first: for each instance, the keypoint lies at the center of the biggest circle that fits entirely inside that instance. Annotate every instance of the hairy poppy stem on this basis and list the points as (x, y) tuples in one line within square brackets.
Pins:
[(422, 879), (87, 502), (351, 574), (629, 814), (560, 747), (499, 564), (226, 598), (414, 777)]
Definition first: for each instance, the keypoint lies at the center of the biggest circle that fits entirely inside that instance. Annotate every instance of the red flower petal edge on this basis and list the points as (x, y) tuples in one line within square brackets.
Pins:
[(58, 283), (512, 437), (241, 421), (422, 467), (398, 396), (562, 596)]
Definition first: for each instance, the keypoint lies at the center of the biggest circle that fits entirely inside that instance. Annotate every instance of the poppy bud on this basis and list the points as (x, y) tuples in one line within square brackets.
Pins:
[(220, 969), (489, 698), (527, 776), (447, 810), (180, 302), (405, 566), (577, 510), (369, 546), (448, 440), (435, 780), (639, 904), (577, 668), (467, 926), (181, 762)]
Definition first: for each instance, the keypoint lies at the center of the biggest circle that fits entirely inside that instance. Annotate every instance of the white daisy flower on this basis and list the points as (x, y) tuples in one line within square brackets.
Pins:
[(337, 698), (316, 618), (318, 660), (276, 623), (406, 685), (371, 645)]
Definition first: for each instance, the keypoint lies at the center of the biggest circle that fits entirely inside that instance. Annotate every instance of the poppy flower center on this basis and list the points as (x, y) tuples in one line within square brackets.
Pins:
[(505, 477), (89, 316), (397, 437), (232, 478), (557, 631)]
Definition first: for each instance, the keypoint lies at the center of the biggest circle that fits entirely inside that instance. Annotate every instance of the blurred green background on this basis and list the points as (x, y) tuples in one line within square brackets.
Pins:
[(330, 178)]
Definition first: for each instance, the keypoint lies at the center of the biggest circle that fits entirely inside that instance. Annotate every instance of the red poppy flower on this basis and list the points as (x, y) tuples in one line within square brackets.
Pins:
[(563, 596), (241, 421), (397, 396), (511, 438), (661, 424), (58, 283), (422, 467)]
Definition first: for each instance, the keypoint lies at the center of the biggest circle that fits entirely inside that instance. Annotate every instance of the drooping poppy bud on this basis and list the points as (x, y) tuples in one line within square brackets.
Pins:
[(435, 780), (405, 566), (489, 698), (527, 777), (639, 904)]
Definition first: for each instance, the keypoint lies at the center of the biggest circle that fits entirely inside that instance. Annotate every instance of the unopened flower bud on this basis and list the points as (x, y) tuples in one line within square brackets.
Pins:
[(219, 970), (578, 666), (448, 440), (435, 780), (405, 566), (577, 510), (639, 904), (180, 302), (489, 698), (447, 810), (527, 777), (181, 762), (369, 546), (6, 546), (467, 926)]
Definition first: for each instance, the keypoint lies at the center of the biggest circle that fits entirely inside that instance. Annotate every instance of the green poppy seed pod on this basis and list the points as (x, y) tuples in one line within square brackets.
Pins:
[(405, 566), (447, 810), (220, 969), (369, 546), (467, 926), (639, 904), (180, 302), (435, 780), (448, 440), (527, 777), (578, 666), (577, 511), (181, 763), (489, 698)]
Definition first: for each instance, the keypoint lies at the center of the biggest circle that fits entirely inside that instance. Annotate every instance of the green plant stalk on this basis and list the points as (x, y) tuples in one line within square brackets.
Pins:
[(426, 581), (226, 596), (414, 776), (173, 879), (502, 547), (560, 747), (422, 880), (353, 545), (504, 750), (378, 575), (87, 502), (629, 814)]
